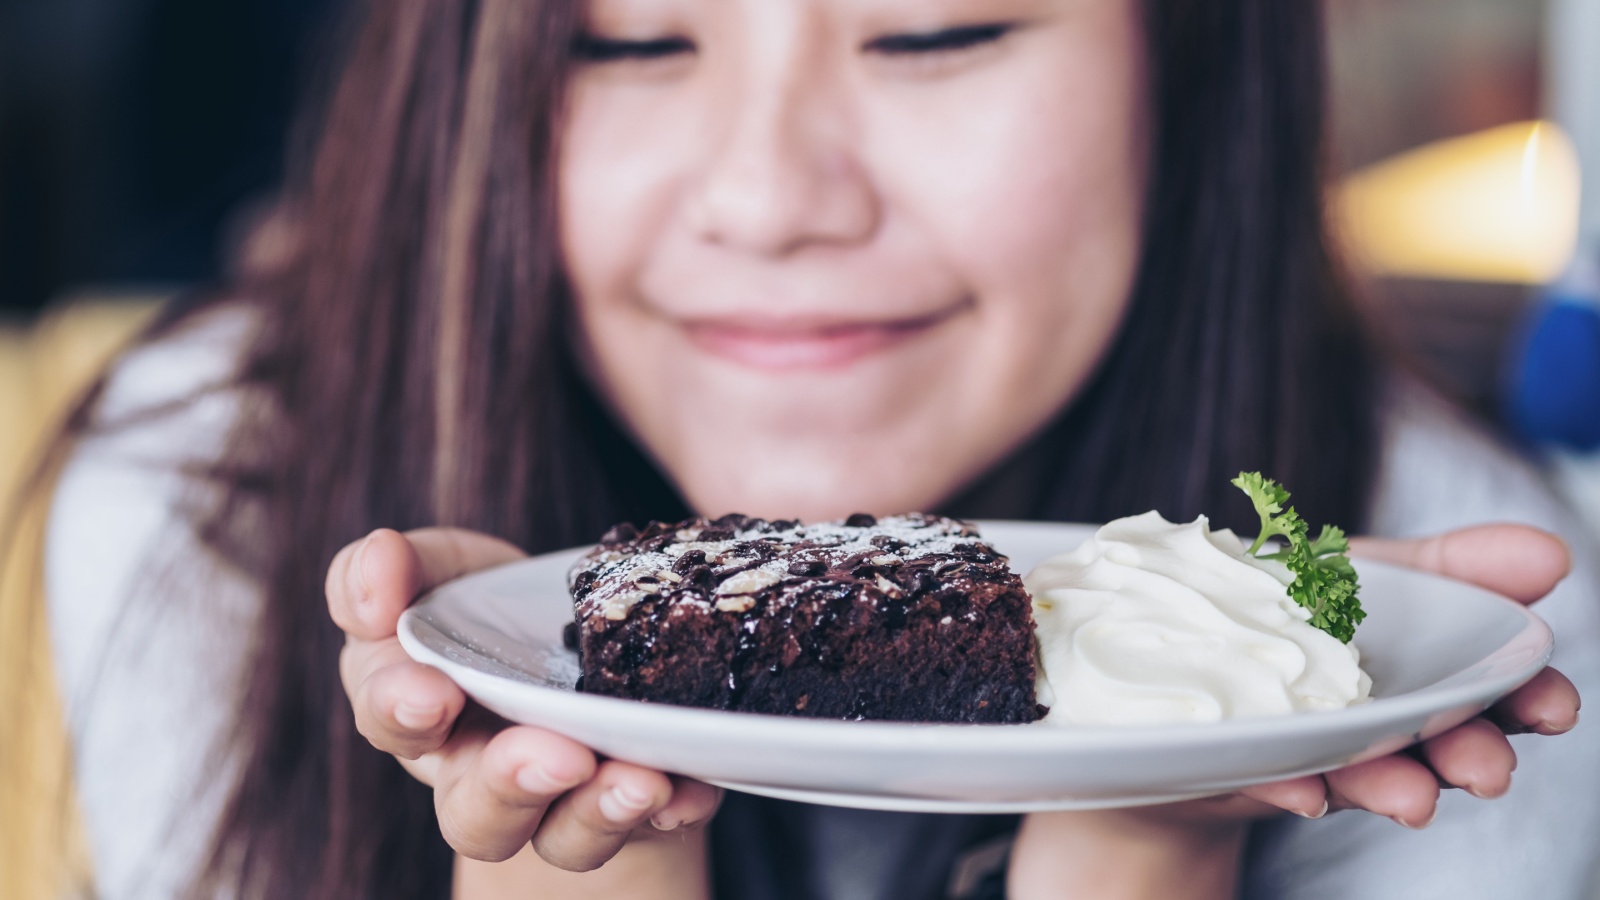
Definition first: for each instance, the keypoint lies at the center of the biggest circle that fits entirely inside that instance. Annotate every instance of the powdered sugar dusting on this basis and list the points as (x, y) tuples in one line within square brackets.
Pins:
[(746, 556)]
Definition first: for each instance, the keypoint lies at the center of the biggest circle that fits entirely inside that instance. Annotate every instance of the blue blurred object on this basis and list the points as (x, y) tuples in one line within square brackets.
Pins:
[(1553, 394)]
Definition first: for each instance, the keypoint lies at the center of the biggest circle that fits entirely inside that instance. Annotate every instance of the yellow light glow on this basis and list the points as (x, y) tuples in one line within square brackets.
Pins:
[(1500, 205)]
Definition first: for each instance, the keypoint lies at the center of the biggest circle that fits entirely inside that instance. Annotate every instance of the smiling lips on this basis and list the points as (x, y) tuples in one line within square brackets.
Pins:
[(776, 345)]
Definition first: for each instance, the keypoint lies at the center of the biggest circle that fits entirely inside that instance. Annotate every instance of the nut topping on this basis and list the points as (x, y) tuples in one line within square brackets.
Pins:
[(616, 606), (746, 582), (738, 603)]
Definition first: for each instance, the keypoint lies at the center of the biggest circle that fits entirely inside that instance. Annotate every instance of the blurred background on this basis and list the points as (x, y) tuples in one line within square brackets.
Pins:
[(133, 132), (139, 137)]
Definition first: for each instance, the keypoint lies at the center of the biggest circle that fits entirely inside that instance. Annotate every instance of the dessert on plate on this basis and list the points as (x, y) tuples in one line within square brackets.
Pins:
[(906, 618), (915, 618)]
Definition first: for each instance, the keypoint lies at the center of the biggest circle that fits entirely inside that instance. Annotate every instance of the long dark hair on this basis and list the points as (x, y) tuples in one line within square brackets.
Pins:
[(412, 368)]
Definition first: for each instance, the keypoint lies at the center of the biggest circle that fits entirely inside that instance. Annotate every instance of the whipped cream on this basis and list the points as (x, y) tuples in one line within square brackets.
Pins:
[(1152, 622)]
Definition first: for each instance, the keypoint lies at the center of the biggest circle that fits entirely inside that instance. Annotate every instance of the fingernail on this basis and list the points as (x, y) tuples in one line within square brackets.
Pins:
[(535, 780), (662, 824), (1420, 825), (623, 804), (359, 569), (418, 718), (1313, 815)]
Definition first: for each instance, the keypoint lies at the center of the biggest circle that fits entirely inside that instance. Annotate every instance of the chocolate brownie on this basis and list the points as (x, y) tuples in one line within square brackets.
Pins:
[(907, 618)]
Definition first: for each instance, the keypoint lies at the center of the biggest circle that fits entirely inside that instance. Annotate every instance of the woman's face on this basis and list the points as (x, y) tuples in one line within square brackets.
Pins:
[(840, 255)]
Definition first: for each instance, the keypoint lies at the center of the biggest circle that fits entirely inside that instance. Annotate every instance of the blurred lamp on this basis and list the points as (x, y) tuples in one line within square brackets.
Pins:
[(1497, 206)]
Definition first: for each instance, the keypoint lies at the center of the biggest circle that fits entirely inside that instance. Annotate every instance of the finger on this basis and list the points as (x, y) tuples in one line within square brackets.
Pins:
[(1547, 704), (1475, 757), (492, 792), (474, 728), (346, 590), (443, 554), (1521, 562), (401, 707), (1396, 786), (692, 805), (372, 581), (589, 825), (1306, 796)]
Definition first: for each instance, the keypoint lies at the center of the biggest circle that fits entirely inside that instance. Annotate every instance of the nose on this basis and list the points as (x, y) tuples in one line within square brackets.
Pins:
[(782, 174)]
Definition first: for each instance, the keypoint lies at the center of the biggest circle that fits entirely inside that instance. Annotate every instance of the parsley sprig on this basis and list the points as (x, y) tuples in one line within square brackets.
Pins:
[(1324, 581)]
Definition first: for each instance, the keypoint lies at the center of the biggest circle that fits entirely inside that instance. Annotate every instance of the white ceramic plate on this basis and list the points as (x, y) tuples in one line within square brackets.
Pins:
[(1438, 652)]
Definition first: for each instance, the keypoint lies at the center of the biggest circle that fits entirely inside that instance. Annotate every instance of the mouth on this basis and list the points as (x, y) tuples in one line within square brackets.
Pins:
[(793, 344)]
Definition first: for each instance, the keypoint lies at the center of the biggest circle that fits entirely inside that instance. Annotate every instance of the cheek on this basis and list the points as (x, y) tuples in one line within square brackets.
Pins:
[(616, 182), (1035, 199), (619, 180)]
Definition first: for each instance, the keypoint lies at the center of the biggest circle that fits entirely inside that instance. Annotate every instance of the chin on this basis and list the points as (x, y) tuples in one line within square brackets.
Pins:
[(810, 489)]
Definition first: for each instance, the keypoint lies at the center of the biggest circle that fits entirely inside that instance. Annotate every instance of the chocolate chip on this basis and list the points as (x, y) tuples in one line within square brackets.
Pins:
[(700, 576), (860, 520), (831, 591), (807, 568), (784, 524), (978, 553), (716, 534), (569, 635), (893, 612), (620, 534), (760, 549), (921, 582), (888, 542), (952, 601), (731, 520), (688, 561), (583, 582)]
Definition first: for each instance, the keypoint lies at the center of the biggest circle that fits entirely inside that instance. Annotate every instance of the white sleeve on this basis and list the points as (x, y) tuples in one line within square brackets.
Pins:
[(1542, 838), (147, 627)]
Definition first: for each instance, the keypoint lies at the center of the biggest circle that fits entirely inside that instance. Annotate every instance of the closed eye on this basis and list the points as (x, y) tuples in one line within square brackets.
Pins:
[(946, 40), (596, 49)]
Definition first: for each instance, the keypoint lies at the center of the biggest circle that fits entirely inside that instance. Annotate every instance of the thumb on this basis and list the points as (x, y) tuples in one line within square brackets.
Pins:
[(1519, 561)]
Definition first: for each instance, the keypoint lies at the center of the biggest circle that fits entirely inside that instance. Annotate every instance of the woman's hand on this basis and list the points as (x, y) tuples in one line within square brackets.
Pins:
[(1520, 562), (497, 787), (1190, 849)]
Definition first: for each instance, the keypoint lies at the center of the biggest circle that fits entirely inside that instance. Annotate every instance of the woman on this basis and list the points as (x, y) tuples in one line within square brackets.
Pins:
[(553, 267)]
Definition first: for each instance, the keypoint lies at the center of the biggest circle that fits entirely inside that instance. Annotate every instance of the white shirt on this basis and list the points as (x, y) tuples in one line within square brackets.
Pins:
[(149, 692)]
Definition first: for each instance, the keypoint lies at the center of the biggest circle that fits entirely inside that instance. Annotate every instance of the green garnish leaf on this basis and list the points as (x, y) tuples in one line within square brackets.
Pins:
[(1269, 497), (1324, 581)]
